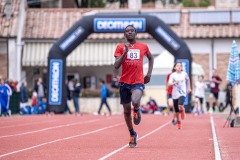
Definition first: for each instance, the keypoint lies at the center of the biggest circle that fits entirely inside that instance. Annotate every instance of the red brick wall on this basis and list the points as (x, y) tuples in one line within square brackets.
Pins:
[(202, 59), (222, 66)]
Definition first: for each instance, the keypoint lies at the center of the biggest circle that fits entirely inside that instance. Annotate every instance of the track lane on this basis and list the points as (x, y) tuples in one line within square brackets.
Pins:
[(193, 141), (19, 142), (94, 140), (228, 138), (88, 146)]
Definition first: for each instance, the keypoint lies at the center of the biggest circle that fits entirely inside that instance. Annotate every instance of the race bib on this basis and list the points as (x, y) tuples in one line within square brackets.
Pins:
[(212, 85), (133, 54)]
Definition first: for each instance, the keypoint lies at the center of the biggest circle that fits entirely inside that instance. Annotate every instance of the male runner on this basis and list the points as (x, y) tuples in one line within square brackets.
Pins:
[(130, 57)]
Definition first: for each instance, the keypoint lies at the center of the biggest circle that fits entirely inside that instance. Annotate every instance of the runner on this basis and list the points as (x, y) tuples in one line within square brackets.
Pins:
[(214, 91), (178, 80), (200, 87), (169, 97), (130, 57)]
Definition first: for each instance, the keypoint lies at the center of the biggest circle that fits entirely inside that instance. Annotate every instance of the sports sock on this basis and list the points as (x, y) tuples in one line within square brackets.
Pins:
[(132, 132), (136, 110)]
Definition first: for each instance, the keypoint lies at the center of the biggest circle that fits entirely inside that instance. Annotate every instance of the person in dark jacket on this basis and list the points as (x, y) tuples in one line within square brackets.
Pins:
[(23, 94), (76, 92), (229, 98), (67, 109)]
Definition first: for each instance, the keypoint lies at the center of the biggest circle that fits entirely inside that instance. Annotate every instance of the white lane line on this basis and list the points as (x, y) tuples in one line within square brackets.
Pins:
[(21, 118), (59, 140), (215, 140), (49, 128), (125, 146), (27, 124)]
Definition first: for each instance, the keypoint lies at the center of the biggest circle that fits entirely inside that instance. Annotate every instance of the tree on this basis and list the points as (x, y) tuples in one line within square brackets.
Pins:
[(188, 3), (90, 3), (204, 3), (97, 4)]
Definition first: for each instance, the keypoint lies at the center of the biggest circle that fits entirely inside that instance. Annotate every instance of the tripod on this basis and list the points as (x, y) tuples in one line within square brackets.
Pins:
[(229, 101)]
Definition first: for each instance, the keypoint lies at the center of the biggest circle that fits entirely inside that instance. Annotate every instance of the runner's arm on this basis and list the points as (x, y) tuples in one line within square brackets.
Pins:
[(218, 80), (189, 85), (166, 82), (172, 84), (150, 68), (119, 59), (150, 64), (171, 81)]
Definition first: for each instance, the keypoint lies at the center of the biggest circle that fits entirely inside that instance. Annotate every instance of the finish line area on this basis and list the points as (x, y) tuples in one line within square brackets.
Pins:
[(106, 137)]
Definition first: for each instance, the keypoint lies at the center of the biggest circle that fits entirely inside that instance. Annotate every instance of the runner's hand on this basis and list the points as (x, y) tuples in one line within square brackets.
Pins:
[(147, 79), (126, 47), (189, 91)]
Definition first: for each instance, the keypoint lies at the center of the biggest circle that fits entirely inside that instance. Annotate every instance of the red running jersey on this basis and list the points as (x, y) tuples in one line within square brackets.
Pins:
[(132, 66), (169, 89)]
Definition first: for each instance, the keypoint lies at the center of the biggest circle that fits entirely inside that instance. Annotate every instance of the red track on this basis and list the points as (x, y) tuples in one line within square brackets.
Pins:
[(99, 137)]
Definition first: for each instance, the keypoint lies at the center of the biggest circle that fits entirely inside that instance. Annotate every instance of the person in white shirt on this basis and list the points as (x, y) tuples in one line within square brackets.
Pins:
[(200, 87), (181, 87)]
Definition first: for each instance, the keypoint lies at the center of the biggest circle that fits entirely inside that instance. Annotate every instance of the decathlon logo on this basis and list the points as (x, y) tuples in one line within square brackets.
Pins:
[(55, 82), (69, 40), (118, 24)]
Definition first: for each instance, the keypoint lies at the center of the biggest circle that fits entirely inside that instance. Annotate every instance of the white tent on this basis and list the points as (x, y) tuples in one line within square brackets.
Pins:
[(163, 65)]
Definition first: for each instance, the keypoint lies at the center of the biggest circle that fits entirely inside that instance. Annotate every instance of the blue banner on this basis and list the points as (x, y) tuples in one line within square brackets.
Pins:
[(71, 39), (185, 68), (55, 82), (118, 24), (170, 40)]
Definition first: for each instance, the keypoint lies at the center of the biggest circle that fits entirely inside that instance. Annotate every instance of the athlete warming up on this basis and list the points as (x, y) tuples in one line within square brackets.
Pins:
[(178, 80), (130, 57)]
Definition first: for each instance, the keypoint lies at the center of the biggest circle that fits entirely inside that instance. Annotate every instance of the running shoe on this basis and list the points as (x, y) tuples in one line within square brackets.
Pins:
[(179, 126), (173, 122), (133, 140), (137, 117), (182, 112)]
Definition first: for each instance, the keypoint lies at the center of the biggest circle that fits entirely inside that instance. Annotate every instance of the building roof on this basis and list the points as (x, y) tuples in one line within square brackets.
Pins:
[(52, 23), (8, 25)]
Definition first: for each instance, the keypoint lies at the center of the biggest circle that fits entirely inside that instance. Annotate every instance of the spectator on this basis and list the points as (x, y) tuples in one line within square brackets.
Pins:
[(76, 92), (70, 89), (104, 95), (151, 106), (34, 98), (67, 109), (40, 88), (5, 93), (229, 98), (23, 95), (214, 90)]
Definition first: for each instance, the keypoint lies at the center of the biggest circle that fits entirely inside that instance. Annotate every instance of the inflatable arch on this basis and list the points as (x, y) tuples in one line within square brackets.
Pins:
[(106, 23)]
